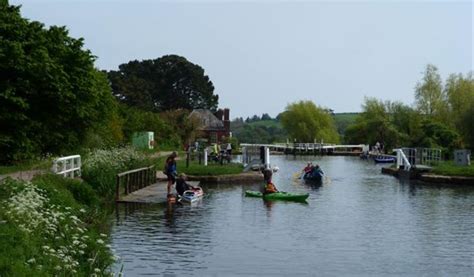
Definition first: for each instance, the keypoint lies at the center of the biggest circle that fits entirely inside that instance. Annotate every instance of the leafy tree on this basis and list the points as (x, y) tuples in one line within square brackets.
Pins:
[(51, 95), (438, 135), (186, 128), (306, 122), (429, 94), (167, 83), (266, 116), (460, 93)]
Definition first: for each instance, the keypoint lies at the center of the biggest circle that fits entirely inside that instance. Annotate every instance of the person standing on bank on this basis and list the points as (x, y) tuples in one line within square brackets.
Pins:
[(171, 171)]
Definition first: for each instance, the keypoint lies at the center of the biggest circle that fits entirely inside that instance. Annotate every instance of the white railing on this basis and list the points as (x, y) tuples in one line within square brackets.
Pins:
[(402, 160), (69, 166)]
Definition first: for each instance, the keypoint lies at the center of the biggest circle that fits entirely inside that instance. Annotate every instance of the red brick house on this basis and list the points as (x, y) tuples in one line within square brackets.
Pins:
[(213, 126)]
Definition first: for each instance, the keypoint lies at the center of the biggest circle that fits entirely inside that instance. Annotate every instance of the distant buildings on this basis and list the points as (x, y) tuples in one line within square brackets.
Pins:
[(213, 126)]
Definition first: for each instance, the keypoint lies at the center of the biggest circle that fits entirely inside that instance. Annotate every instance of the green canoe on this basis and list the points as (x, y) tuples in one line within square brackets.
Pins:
[(278, 195)]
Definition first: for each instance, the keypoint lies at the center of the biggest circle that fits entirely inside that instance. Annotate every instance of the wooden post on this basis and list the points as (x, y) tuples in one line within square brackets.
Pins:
[(117, 188)]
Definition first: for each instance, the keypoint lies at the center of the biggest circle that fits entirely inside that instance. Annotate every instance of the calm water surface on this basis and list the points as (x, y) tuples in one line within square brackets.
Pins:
[(359, 222)]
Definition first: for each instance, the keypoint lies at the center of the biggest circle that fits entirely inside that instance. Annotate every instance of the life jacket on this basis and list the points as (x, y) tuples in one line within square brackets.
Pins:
[(270, 188)]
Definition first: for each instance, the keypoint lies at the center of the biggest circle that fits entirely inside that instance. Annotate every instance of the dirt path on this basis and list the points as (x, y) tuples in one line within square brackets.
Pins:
[(26, 175)]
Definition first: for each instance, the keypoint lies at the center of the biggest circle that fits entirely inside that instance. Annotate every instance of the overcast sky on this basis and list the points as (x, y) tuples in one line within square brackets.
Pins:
[(262, 55)]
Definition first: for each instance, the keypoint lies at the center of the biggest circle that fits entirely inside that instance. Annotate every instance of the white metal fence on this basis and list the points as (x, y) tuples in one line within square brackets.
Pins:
[(69, 166)]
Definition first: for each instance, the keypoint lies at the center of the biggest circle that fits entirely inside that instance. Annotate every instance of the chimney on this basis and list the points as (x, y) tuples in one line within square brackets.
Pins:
[(226, 114), (219, 114), (227, 122)]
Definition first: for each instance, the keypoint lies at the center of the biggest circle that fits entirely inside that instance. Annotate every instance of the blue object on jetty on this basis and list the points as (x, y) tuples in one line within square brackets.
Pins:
[(384, 159)]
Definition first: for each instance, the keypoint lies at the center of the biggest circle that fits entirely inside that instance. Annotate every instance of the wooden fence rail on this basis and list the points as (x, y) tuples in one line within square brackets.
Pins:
[(134, 180)]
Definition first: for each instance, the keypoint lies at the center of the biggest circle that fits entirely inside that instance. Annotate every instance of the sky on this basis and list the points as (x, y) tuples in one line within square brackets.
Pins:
[(263, 55)]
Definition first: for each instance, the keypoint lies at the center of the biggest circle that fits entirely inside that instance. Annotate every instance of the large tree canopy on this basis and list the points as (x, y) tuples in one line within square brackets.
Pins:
[(50, 92), (306, 122), (167, 83)]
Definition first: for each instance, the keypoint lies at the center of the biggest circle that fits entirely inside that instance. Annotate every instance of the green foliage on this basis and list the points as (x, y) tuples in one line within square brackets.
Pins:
[(100, 167), (51, 93), (342, 121), (46, 231), (390, 123), (210, 170), (429, 94), (305, 122), (261, 131), (438, 135), (38, 164), (450, 169), (167, 83), (460, 92), (184, 127), (136, 120)]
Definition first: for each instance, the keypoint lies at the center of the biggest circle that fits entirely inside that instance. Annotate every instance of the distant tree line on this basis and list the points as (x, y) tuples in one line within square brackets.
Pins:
[(53, 99), (442, 117)]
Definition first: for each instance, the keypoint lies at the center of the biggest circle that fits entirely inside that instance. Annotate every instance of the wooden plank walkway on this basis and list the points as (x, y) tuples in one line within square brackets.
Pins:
[(155, 193)]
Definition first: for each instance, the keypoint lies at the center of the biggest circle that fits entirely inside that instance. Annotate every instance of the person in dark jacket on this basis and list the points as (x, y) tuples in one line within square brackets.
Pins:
[(171, 170), (181, 185)]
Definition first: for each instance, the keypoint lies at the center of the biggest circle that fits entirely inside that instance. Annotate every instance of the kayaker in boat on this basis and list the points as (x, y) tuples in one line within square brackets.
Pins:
[(171, 171), (269, 186), (307, 170), (181, 185), (308, 167), (317, 169)]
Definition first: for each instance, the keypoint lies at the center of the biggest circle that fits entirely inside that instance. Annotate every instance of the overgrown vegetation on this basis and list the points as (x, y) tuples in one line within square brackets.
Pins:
[(100, 167), (52, 226)]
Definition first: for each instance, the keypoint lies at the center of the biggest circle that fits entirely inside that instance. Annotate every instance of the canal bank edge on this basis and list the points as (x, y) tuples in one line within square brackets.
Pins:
[(245, 177), (429, 177)]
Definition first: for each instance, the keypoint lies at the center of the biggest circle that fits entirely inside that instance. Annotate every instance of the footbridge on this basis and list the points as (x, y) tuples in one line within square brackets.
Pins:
[(310, 147)]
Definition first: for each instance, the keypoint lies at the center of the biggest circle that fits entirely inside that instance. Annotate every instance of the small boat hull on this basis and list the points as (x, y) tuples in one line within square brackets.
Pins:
[(298, 197), (314, 177), (191, 196), (384, 159)]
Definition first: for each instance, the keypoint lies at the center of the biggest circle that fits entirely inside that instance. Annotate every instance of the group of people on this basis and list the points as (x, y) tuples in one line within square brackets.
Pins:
[(219, 153), (311, 170), (171, 172)]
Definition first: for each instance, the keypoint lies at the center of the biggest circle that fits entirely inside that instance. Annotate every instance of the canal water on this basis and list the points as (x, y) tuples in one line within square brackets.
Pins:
[(358, 222)]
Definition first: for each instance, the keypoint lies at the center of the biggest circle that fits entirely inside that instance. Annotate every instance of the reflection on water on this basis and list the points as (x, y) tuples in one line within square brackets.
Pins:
[(357, 222)]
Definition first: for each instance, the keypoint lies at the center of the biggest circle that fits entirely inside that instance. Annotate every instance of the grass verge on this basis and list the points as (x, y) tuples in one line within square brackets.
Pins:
[(448, 168)]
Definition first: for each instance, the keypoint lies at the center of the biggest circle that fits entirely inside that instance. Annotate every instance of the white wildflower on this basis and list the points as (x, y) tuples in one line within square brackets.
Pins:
[(99, 241), (32, 260)]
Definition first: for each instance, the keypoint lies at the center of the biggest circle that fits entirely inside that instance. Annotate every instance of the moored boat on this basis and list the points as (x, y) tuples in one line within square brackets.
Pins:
[(193, 195), (298, 197), (384, 159)]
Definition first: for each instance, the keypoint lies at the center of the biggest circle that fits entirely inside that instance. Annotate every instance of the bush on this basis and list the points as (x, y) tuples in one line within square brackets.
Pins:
[(100, 167)]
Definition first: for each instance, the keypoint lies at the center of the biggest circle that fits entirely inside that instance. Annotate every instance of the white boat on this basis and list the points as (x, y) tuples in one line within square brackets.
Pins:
[(192, 195)]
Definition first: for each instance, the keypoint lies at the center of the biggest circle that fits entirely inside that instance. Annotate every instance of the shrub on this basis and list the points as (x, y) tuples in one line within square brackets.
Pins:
[(100, 167)]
